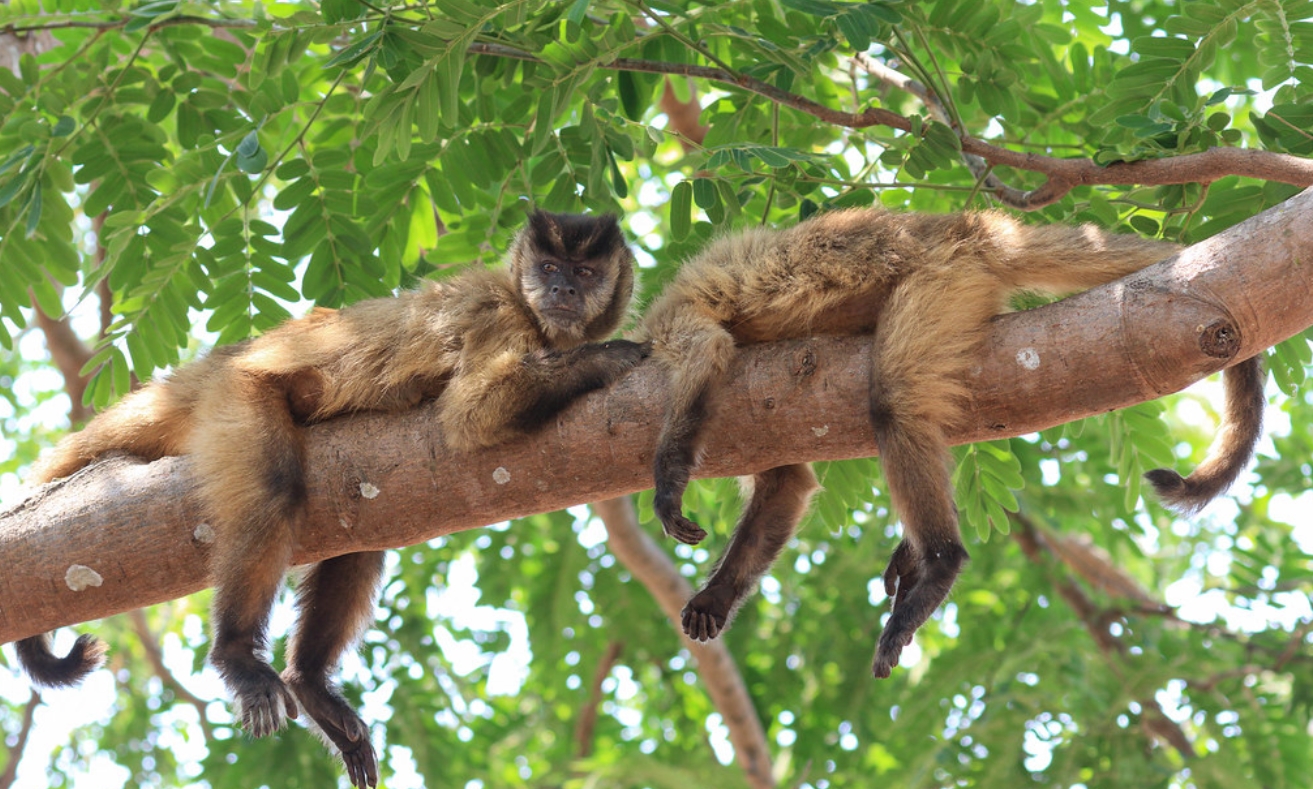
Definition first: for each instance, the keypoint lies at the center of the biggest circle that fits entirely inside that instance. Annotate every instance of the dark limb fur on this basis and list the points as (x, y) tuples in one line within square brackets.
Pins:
[(928, 560), (778, 502), (561, 377), (346, 585), (676, 456), (254, 492)]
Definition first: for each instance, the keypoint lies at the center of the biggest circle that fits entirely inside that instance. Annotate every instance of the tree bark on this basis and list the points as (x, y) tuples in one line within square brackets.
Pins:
[(128, 534)]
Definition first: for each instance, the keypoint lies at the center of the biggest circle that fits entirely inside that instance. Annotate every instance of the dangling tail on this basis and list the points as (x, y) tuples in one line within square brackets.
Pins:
[(149, 423), (1242, 424), (1062, 258), (51, 671)]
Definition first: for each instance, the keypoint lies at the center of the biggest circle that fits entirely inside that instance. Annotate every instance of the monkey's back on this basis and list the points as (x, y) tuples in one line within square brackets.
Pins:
[(378, 354)]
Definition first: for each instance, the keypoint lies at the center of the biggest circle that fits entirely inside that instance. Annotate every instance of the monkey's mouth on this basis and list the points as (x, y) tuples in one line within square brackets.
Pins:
[(561, 312)]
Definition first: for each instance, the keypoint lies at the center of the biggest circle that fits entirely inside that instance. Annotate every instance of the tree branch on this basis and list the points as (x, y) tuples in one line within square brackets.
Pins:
[(1062, 174), (135, 526), (655, 570)]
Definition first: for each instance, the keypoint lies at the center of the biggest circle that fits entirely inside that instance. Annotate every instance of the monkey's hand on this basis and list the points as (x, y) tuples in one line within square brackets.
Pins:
[(667, 507), (900, 578), (622, 355), (706, 615)]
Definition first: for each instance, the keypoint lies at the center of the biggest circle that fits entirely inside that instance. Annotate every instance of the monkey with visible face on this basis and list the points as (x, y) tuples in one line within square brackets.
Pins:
[(925, 286), (502, 350)]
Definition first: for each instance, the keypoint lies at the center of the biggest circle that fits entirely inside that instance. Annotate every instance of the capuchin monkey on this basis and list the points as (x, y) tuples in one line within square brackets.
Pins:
[(502, 350), (926, 287)]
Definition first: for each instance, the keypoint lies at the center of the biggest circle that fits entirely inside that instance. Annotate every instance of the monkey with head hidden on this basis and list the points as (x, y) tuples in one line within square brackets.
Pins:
[(926, 287), (503, 350)]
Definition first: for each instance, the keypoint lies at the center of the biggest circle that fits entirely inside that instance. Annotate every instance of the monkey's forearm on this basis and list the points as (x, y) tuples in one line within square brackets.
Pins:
[(515, 394), (561, 377)]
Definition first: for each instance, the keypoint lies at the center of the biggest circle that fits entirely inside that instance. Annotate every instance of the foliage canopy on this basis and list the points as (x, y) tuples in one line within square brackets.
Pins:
[(212, 167)]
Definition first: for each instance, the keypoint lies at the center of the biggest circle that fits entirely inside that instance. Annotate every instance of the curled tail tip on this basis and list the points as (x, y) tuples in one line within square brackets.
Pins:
[(48, 670), (1185, 495)]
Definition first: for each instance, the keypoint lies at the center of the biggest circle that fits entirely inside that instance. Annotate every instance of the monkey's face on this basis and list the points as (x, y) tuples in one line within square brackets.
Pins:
[(575, 273)]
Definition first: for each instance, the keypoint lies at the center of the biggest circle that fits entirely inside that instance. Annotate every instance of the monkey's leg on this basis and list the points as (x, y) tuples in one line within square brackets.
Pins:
[(696, 350), (928, 560), (779, 500), (246, 452), (931, 327), (336, 603)]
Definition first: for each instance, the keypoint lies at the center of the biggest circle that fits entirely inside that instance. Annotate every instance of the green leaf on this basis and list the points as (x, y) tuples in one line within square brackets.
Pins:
[(681, 209)]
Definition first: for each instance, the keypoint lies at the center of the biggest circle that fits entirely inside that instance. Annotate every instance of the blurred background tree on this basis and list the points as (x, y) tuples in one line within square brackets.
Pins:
[(179, 174)]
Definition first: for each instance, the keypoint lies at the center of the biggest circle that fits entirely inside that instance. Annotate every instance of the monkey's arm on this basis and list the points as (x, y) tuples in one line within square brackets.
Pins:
[(510, 392)]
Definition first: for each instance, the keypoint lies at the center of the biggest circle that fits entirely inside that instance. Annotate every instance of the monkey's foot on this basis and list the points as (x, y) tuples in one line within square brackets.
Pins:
[(261, 699), (339, 725), (707, 614), (917, 585)]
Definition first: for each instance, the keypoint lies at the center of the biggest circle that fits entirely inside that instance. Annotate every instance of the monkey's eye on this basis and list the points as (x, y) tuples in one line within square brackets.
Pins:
[(548, 267), (584, 271)]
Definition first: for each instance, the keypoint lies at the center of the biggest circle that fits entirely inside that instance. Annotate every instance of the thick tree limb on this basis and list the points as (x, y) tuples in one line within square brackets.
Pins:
[(128, 534)]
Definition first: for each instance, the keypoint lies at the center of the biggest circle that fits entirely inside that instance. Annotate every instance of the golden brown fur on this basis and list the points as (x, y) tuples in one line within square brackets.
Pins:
[(926, 286), (503, 351)]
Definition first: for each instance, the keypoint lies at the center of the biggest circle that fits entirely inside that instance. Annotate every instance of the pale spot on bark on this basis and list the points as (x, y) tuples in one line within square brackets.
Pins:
[(79, 577), (368, 490), (1028, 358), (501, 476)]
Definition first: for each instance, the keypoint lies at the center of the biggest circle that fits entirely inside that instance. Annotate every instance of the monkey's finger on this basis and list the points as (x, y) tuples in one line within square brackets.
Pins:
[(684, 530)]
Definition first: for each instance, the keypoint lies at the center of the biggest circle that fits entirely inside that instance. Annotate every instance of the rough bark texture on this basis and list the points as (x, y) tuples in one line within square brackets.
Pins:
[(129, 534)]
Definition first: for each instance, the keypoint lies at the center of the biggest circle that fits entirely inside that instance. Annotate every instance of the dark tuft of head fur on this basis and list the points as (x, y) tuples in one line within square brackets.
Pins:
[(576, 236), (50, 671)]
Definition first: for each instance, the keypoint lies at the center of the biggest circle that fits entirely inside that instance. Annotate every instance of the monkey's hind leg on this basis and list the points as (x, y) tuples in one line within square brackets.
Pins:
[(925, 340), (927, 562), (335, 601), (779, 500), (246, 452)]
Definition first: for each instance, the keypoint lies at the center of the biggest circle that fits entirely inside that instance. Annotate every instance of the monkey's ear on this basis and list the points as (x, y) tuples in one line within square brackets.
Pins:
[(545, 230)]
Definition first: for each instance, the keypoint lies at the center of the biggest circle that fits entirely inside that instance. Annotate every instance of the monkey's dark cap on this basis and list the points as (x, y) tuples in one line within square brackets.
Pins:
[(575, 236)]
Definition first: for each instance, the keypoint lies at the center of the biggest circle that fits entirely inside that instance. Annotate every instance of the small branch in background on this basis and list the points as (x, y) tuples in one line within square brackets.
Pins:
[(1008, 195), (1062, 174), (151, 645), (15, 755), (655, 570), (1037, 543), (69, 354), (583, 730)]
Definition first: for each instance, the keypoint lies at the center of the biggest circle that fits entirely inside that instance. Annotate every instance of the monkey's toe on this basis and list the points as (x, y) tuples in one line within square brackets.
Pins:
[(887, 653), (361, 765), (701, 625), (903, 573), (263, 710)]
